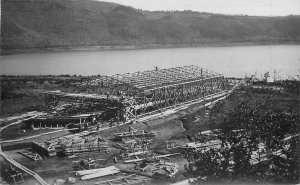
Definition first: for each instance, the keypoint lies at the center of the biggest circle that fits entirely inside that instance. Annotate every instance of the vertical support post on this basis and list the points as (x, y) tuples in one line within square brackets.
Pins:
[(144, 107), (165, 97)]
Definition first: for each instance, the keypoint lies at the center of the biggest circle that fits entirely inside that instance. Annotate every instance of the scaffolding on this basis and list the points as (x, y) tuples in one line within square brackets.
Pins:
[(137, 94)]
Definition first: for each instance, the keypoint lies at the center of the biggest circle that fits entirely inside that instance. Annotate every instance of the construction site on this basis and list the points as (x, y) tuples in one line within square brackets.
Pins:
[(130, 96), (115, 129)]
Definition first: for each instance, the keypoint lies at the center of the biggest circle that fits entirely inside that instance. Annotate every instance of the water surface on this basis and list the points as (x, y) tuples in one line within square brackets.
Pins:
[(230, 61)]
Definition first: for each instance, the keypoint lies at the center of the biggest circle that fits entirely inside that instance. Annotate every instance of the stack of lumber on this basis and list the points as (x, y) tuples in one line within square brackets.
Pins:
[(44, 149), (153, 158), (86, 147), (129, 179), (73, 141), (203, 146), (133, 134), (95, 173), (94, 139), (30, 154), (80, 142)]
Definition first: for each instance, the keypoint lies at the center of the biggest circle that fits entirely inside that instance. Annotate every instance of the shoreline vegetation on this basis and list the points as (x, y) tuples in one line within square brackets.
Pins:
[(5, 52)]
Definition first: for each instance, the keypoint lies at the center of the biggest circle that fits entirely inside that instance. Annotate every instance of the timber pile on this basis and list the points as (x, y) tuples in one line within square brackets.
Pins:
[(85, 147), (80, 142), (133, 133), (202, 146), (49, 148), (95, 173), (89, 143), (129, 179), (150, 158), (158, 168), (134, 150), (167, 170), (44, 149), (30, 154), (87, 164)]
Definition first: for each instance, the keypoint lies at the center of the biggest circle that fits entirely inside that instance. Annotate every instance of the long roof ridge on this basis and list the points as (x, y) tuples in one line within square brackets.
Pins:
[(165, 76)]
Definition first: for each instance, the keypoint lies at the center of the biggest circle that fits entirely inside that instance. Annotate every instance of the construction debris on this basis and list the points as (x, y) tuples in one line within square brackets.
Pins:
[(95, 173), (158, 167), (60, 181), (87, 164), (134, 151), (202, 145), (134, 133), (30, 154), (44, 148), (129, 179), (71, 180), (150, 158), (76, 143)]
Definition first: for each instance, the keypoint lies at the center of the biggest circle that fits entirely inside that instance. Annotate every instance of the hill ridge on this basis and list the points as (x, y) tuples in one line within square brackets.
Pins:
[(34, 24)]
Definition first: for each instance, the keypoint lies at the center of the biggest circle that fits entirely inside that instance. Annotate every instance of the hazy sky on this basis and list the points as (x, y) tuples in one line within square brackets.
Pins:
[(246, 7)]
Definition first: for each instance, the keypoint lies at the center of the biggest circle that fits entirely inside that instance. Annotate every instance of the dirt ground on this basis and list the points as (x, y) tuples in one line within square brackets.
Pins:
[(173, 126)]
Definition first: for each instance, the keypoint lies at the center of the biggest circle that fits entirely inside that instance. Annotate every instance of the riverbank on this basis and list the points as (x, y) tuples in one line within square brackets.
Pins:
[(146, 46)]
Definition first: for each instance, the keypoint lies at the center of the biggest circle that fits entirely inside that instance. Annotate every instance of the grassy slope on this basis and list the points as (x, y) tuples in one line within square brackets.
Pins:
[(31, 24)]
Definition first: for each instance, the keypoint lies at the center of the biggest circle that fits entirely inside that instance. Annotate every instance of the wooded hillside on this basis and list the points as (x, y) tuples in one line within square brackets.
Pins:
[(27, 24)]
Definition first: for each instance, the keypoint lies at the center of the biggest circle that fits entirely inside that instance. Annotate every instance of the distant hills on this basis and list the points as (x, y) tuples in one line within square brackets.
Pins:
[(38, 24)]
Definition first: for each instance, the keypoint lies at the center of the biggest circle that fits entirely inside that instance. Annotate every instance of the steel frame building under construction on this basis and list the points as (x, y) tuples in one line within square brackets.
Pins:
[(134, 95)]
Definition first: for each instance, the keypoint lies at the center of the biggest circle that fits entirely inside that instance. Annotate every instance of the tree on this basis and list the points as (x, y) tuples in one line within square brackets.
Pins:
[(252, 133)]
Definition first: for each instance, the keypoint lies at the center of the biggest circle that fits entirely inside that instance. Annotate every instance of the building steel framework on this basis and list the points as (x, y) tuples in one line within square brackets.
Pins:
[(141, 93)]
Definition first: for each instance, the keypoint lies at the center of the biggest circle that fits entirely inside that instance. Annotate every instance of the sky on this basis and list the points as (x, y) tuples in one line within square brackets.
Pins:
[(232, 7)]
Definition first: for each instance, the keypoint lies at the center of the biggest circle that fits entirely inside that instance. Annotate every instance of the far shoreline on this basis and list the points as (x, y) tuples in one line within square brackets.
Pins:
[(5, 52)]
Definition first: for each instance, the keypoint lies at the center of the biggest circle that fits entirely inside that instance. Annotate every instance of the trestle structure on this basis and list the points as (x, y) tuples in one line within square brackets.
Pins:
[(141, 93)]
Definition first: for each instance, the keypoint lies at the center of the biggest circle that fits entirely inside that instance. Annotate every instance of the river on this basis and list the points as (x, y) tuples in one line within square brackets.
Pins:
[(230, 61)]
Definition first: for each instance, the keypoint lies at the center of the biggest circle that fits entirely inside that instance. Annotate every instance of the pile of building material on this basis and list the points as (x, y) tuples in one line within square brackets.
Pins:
[(134, 151), (75, 143), (172, 144), (167, 170), (139, 141), (198, 145), (150, 157), (87, 164), (134, 133), (158, 168), (30, 154), (132, 142), (85, 147), (128, 179), (95, 173), (203, 145), (44, 149), (88, 143)]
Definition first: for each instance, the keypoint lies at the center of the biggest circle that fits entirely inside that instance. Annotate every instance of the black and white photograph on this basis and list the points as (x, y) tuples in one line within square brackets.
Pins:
[(149, 92)]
